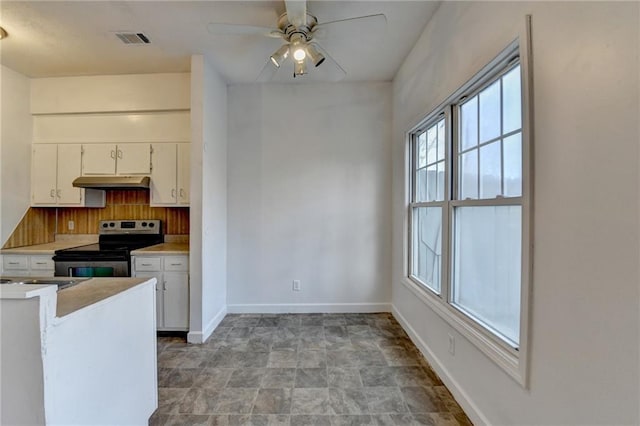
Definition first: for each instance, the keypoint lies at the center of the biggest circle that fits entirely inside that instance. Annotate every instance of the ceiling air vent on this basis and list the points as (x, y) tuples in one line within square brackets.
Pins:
[(133, 38)]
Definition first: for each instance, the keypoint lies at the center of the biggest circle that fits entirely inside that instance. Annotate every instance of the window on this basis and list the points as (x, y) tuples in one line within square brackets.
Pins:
[(467, 213)]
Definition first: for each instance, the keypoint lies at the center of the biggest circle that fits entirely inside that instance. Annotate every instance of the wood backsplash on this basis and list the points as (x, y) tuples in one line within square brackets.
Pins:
[(38, 226)]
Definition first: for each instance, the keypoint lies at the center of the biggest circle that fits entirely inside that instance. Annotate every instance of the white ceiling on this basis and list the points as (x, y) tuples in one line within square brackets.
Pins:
[(70, 38)]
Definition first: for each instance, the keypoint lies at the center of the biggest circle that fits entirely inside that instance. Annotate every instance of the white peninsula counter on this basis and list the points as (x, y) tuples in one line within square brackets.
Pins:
[(84, 355)]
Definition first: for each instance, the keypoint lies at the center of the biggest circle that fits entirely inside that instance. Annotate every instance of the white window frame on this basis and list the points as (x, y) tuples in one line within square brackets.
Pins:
[(514, 361)]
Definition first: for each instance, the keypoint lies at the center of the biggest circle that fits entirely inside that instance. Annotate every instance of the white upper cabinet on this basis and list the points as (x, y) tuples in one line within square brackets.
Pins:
[(53, 169), (44, 169), (133, 159), (170, 174), (99, 159), (111, 159), (184, 172), (163, 174), (69, 168)]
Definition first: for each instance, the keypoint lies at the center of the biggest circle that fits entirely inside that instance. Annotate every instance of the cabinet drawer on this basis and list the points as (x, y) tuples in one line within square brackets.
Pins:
[(176, 263), (15, 262), (42, 263), (148, 264)]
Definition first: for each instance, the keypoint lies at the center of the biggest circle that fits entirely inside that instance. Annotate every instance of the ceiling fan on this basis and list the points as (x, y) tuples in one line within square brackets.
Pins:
[(301, 32)]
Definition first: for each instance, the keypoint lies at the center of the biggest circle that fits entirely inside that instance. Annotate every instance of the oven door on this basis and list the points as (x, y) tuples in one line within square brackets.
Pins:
[(94, 268)]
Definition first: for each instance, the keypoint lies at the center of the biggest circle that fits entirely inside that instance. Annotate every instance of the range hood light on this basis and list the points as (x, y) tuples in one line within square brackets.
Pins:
[(112, 182)]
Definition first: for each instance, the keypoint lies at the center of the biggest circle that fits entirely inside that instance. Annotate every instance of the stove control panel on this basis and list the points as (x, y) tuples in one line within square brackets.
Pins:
[(150, 226)]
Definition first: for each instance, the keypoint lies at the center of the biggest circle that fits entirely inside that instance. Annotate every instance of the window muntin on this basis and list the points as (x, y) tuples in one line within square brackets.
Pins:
[(476, 269)]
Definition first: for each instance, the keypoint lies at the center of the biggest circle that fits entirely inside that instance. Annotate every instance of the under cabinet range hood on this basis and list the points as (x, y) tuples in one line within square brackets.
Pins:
[(112, 182)]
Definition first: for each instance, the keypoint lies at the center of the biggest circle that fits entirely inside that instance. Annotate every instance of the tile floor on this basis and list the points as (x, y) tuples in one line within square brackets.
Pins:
[(301, 369)]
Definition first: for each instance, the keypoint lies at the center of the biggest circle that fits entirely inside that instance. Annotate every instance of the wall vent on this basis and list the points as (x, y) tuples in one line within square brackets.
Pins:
[(133, 38)]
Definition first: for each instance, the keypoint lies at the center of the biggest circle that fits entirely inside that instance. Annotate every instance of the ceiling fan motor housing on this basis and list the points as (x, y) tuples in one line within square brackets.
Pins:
[(289, 30)]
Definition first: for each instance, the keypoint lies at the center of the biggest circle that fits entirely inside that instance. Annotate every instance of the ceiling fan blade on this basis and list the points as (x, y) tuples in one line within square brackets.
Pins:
[(296, 12), (268, 72), (329, 69), (343, 29), (238, 29)]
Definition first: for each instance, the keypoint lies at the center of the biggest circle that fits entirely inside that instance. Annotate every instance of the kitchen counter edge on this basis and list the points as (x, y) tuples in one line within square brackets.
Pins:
[(163, 249)]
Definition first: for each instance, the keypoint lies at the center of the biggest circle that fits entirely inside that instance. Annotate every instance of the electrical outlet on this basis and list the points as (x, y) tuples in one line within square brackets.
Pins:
[(71, 225), (452, 345), (296, 285)]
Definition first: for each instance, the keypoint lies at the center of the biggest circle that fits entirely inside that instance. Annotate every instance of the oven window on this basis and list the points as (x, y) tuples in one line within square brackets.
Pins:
[(91, 271)]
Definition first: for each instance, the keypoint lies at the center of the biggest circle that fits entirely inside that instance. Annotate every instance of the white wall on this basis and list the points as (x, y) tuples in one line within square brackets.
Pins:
[(21, 384), (208, 218), (309, 197), (15, 149), (584, 335)]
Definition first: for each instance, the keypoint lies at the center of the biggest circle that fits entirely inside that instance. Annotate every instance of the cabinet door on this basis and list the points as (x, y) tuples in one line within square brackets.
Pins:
[(43, 175), (134, 159), (176, 300), (184, 172), (159, 295), (99, 159), (163, 174), (69, 168)]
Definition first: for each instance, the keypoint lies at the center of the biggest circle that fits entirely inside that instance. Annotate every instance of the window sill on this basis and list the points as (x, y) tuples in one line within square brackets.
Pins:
[(509, 362)]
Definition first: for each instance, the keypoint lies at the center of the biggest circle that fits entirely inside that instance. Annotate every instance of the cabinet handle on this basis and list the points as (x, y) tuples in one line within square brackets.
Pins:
[(52, 194), (181, 193), (14, 263), (164, 285), (173, 193), (176, 264), (58, 193), (41, 263), (113, 154), (119, 153), (145, 264)]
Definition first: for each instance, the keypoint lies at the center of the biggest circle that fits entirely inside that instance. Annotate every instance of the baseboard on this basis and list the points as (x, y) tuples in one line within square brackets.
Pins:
[(309, 308), (467, 404), (199, 337)]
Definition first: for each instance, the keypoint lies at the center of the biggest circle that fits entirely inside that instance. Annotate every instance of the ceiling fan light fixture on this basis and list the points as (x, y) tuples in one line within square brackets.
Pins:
[(298, 47), (316, 57), (299, 68), (280, 55)]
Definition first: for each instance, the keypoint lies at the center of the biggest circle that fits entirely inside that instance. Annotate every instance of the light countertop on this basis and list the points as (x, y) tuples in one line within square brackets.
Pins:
[(72, 299), (47, 248), (164, 248), (92, 291)]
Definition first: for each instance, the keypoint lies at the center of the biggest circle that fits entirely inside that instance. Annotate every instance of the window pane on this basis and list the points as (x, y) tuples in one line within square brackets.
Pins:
[(513, 166), (422, 150), (441, 140), (486, 266), (440, 168), (490, 175), (426, 244), (432, 144), (432, 176), (490, 112), (469, 124), (421, 184), (511, 100), (469, 175)]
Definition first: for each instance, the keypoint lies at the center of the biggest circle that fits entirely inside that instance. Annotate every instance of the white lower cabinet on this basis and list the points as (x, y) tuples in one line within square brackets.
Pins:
[(172, 288), (24, 265)]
